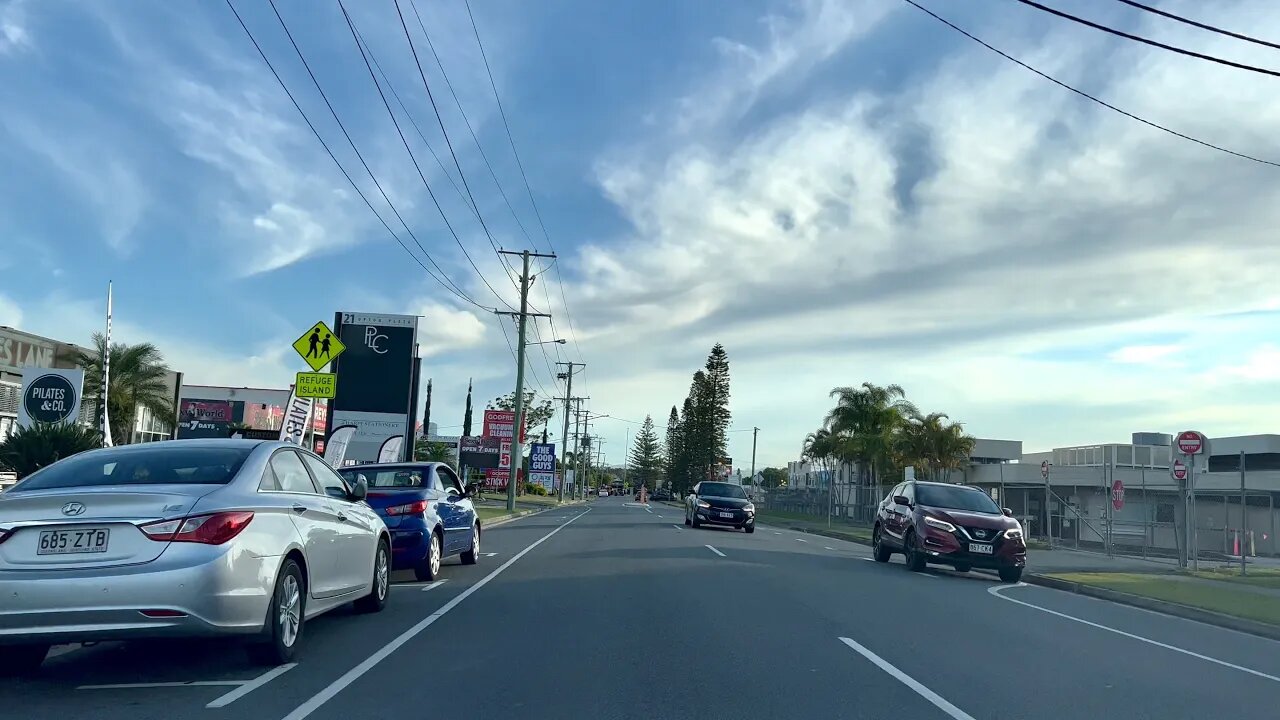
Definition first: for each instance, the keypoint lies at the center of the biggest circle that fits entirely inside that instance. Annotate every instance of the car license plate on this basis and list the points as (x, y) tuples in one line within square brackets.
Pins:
[(980, 548), (66, 542), (726, 515)]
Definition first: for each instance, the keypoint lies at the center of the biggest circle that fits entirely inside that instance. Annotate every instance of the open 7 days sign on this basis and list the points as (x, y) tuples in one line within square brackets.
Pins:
[(50, 396)]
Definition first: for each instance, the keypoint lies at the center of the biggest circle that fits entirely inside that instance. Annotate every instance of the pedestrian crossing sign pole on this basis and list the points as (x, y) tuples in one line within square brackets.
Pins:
[(318, 346)]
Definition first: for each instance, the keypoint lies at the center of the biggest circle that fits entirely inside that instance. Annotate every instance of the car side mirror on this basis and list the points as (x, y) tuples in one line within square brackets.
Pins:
[(1007, 512), (360, 490), (902, 500)]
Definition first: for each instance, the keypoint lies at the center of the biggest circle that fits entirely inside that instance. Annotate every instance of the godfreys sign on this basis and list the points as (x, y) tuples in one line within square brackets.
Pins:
[(50, 396)]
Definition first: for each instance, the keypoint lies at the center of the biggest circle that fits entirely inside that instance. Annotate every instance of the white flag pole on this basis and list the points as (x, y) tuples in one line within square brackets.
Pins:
[(106, 375)]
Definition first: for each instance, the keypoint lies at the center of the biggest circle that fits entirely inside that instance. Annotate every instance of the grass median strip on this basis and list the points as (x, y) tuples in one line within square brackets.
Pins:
[(1240, 602)]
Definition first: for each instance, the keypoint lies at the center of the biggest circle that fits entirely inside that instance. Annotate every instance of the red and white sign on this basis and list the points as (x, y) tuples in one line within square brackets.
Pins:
[(504, 455), (1117, 495), (1044, 469), (1179, 470), (1190, 442), (500, 424)]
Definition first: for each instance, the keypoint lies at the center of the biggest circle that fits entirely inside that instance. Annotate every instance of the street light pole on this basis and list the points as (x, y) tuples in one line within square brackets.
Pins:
[(755, 431), (568, 398), (517, 439)]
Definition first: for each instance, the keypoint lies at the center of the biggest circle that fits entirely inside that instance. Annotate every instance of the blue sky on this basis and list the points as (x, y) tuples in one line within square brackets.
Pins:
[(837, 191)]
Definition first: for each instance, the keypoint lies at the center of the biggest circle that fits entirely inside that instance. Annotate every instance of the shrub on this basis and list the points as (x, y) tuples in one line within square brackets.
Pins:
[(28, 449)]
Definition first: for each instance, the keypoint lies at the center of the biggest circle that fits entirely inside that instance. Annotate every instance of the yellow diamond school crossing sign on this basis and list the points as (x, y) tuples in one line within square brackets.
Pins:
[(318, 346), (316, 385)]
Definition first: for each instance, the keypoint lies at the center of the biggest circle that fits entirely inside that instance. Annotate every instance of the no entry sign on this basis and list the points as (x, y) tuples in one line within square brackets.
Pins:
[(1178, 470), (1190, 442), (1117, 495)]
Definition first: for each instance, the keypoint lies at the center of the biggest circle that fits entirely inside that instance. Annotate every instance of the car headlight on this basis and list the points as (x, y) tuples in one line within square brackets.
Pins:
[(940, 524), (1013, 533), (704, 504), (749, 508)]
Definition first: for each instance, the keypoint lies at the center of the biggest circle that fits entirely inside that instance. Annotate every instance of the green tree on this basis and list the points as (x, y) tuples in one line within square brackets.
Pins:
[(139, 378), (933, 446), (425, 450), (773, 478), (866, 420), (646, 456), (28, 449), (672, 452), (536, 415)]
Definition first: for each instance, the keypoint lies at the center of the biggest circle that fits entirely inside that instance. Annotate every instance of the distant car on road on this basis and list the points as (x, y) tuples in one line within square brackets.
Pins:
[(604, 493), (956, 525), (661, 494), (184, 538), (428, 512), (720, 503)]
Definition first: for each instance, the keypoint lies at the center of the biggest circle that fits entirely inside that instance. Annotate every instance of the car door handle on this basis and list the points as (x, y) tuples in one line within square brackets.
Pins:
[(299, 508)]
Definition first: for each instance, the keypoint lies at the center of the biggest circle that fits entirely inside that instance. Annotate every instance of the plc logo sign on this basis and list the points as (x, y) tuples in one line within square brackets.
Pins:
[(374, 339)]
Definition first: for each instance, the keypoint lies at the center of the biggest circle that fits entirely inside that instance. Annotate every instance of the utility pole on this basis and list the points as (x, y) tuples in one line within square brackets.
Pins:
[(1244, 518), (517, 439), (755, 432), (568, 398), (625, 459)]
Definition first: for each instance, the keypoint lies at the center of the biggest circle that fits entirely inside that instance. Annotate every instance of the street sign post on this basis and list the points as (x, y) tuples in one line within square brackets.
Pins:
[(1178, 470), (1191, 443), (316, 385), (1048, 503), (318, 346)]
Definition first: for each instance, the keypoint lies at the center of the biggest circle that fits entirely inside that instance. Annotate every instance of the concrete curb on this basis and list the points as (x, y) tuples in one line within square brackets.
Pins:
[(504, 519), (1209, 617)]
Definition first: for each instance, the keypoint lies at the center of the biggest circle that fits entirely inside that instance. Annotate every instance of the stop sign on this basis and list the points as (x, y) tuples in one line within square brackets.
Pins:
[(1190, 442), (1179, 470), (1117, 495)]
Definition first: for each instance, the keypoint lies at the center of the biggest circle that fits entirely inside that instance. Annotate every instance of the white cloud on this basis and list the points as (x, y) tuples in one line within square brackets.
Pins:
[(1262, 364), (13, 30), (1144, 354), (10, 313), (443, 329)]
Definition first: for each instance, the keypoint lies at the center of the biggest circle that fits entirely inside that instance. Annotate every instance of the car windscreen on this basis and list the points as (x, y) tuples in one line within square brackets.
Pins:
[(158, 464), (724, 490), (400, 477), (956, 498)]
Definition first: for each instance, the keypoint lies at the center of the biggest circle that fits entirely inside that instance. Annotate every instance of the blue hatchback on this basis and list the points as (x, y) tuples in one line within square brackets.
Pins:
[(429, 513)]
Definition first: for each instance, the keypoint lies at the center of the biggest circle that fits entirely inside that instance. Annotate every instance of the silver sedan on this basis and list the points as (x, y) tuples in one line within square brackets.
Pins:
[(184, 538)]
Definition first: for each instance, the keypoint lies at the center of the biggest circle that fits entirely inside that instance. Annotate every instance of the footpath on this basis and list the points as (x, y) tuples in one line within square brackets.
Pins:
[(1216, 595)]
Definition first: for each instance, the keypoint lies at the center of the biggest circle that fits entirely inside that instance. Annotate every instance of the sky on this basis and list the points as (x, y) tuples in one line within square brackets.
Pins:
[(838, 191)]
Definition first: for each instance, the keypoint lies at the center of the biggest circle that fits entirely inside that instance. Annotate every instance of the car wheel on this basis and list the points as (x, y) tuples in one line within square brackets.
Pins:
[(915, 558), (22, 659), (1011, 574), (879, 550), (750, 529), (429, 569), (285, 618), (377, 597), (472, 556), (963, 568)]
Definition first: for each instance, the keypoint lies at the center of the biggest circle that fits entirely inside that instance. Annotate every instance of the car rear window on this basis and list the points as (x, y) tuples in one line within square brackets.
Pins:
[(409, 478), (725, 490), (956, 498), (158, 464)]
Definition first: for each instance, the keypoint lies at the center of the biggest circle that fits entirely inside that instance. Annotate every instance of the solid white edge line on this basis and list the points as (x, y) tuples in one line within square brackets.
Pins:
[(909, 681), (712, 549), (141, 685), (434, 585), (337, 686), (252, 685), (996, 591)]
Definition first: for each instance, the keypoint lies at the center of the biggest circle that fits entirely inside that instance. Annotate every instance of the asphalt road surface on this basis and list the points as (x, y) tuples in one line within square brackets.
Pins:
[(614, 610)]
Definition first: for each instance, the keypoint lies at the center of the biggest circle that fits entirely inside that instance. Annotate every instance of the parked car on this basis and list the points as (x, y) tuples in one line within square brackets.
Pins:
[(603, 493), (720, 503), (430, 515), (184, 538), (660, 494), (956, 525)]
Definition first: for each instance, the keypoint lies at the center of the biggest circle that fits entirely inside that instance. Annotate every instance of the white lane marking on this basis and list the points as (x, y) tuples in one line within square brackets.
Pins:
[(996, 591), (909, 681), (867, 559), (434, 585), (715, 551), (189, 683), (801, 540), (488, 554), (649, 509), (252, 685), (335, 687), (922, 573), (775, 532), (828, 548), (659, 517), (675, 526)]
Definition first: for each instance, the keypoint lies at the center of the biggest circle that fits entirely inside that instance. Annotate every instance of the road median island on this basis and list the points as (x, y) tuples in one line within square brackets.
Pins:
[(1244, 608), (839, 531), (494, 515)]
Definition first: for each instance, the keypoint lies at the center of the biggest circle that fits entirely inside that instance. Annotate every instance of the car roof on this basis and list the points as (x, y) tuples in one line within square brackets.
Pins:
[(943, 484), (393, 466)]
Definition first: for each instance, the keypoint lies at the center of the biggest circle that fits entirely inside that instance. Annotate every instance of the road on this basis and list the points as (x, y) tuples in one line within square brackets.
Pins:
[(614, 610)]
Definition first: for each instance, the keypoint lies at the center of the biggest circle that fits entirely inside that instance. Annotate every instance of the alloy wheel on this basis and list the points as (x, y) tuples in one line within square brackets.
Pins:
[(290, 611), (435, 554), (382, 573)]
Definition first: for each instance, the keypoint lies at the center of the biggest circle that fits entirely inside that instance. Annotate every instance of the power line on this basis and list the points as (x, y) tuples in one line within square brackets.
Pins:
[(511, 139), (1148, 41), (448, 143), (443, 278), (359, 46), (1082, 93), (1202, 26)]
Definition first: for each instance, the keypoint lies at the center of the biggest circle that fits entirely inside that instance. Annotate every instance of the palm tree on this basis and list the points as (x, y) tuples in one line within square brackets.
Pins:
[(933, 445), (866, 418), (139, 378), (427, 451)]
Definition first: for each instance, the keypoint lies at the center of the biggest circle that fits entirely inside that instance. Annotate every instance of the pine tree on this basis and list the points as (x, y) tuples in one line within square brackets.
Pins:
[(646, 457), (466, 418), (672, 450), (718, 415)]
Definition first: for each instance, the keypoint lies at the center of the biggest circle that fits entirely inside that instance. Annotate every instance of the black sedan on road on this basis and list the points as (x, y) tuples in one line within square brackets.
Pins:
[(720, 503)]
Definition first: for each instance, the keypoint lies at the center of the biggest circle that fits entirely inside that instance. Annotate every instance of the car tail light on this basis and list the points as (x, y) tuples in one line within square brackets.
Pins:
[(413, 508), (211, 529)]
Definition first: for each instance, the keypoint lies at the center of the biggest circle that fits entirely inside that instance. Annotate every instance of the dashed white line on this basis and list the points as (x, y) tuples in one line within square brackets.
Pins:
[(250, 686), (434, 585), (996, 591), (924, 574), (189, 683), (489, 554), (712, 549), (775, 532), (867, 559), (675, 526), (319, 699), (909, 681), (827, 548), (801, 540)]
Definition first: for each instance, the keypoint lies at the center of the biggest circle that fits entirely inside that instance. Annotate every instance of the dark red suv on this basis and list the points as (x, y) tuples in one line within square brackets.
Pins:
[(954, 525)]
